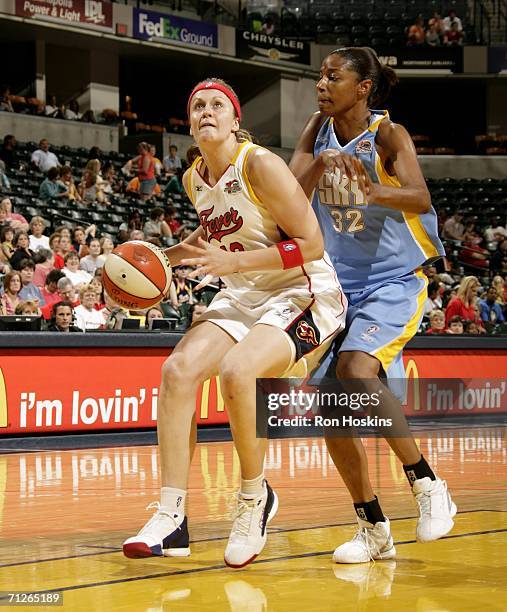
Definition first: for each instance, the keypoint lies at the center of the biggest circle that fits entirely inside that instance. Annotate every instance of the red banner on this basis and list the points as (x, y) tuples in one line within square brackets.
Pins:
[(49, 390), (93, 13)]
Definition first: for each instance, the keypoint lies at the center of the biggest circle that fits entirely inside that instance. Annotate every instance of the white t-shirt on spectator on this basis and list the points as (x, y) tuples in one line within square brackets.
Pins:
[(90, 264), (77, 278), (430, 305), (448, 23), (70, 114), (39, 243), (88, 319), (44, 161), (491, 232)]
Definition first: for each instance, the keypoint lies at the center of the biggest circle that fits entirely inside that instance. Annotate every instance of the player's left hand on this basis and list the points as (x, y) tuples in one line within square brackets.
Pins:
[(210, 260)]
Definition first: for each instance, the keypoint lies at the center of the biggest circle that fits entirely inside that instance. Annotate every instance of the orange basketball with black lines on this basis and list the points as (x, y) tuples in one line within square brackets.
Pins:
[(137, 275)]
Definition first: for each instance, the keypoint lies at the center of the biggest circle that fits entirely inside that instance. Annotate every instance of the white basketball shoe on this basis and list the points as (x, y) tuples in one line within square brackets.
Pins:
[(371, 543), (436, 509), (249, 530), (164, 535)]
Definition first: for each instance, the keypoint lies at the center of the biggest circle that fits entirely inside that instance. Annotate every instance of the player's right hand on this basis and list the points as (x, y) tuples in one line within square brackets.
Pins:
[(345, 164)]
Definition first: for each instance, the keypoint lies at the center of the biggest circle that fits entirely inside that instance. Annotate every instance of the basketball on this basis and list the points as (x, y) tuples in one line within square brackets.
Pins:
[(137, 275)]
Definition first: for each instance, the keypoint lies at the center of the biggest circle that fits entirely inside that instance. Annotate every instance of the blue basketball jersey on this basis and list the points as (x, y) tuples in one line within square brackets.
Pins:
[(369, 244)]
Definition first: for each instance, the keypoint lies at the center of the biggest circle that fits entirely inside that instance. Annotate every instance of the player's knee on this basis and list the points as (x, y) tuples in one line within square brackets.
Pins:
[(233, 377), (177, 372)]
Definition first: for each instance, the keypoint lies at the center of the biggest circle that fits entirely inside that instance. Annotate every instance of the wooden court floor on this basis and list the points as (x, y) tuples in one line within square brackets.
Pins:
[(64, 514)]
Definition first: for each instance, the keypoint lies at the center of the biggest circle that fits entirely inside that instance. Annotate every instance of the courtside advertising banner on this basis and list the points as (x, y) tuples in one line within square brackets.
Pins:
[(257, 45), (60, 390), (93, 13), (161, 27)]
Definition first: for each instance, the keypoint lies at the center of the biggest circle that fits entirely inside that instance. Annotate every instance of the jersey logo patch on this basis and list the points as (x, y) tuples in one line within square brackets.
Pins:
[(306, 333), (215, 228), (232, 186), (364, 146), (198, 187)]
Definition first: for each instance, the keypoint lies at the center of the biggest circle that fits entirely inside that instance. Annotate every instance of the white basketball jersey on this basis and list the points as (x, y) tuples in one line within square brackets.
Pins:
[(234, 219)]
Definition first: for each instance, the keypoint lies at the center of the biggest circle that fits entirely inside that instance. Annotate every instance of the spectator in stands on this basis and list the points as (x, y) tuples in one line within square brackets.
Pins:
[(66, 292), (72, 112), (437, 322), (29, 291), (72, 271), (174, 225), (92, 261), (156, 227), (182, 286), (52, 109), (81, 237), (145, 170), (67, 181), (455, 325), (6, 237), (136, 235), (106, 246), (5, 184), (156, 160), (463, 305), (175, 184), (498, 262), (495, 234), (110, 182), (454, 36), (37, 238), (152, 313), (112, 314), (5, 99), (433, 301), (43, 159), (471, 327), (87, 318), (27, 308), (54, 245), (268, 26), (501, 289), (10, 297), (95, 153), (491, 312), (438, 24), (416, 33), (453, 228), (196, 310), (62, 318), (451, 20), (172, 162), (89, 188), (134, 222), (433, 36), (97, 285), (8, 152), (21, 243), (50, 289), (44, 263), (15, 220), (51, 187)]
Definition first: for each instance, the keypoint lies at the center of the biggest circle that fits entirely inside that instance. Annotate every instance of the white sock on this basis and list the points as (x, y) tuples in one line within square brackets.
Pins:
[(173, 500), (252, 488)]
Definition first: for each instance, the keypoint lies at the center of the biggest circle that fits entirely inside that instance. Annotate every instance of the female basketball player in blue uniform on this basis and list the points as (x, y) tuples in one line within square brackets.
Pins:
[(379, 229), (280, 311)]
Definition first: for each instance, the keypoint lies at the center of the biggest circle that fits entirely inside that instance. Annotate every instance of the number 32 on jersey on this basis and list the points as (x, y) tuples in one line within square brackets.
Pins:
[(337, 191)]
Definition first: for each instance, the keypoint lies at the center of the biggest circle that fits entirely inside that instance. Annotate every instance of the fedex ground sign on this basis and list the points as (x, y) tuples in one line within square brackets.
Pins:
[(151, 25)]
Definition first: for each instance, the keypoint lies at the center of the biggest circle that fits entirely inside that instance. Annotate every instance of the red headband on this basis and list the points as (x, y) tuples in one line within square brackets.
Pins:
[(223, 88)]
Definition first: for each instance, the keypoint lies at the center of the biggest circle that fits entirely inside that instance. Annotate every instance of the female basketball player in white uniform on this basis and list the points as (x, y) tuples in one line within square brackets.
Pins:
[(281, 309), (379, 228)]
